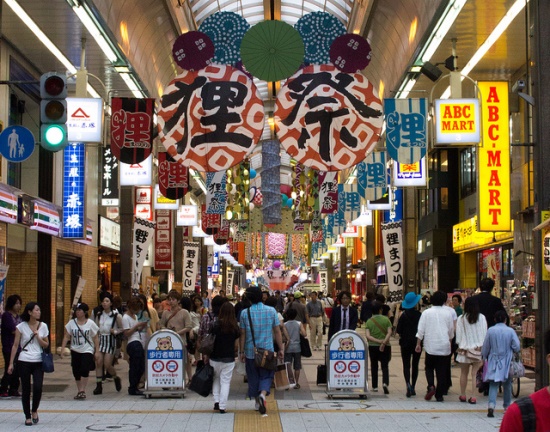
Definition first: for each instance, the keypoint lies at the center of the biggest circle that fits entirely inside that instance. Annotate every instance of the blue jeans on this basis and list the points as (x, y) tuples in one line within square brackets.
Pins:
[(506, 393), (259, 379)]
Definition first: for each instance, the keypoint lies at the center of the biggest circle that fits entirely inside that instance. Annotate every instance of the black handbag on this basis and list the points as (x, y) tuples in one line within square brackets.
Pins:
[(47, 361), (207, 342), (304, 347), (262, 357), (202, 379)]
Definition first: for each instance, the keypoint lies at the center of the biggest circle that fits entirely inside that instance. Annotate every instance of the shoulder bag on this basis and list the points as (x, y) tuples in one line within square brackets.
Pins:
[(262, 357), (517, 370), (47, 361), (206, 346)]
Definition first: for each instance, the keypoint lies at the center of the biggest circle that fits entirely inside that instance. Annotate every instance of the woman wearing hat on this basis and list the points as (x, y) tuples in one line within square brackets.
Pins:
[(83, 334), (407, 327)]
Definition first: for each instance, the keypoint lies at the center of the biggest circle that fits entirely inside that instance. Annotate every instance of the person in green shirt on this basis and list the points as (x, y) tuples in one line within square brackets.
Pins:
[(457, 302), (379, 330)]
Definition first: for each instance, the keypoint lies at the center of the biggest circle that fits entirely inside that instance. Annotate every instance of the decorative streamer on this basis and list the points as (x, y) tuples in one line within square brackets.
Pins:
[(271, 182)]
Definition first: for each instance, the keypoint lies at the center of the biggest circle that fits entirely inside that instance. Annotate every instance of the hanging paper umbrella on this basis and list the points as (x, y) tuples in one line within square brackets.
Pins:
[(272, 50), (193, 50), (326, 119), (318, 31), (226, 30), (350, 53), (211, 119)]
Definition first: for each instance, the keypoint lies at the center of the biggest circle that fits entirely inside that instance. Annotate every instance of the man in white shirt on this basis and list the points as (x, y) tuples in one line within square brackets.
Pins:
[(436, 329)]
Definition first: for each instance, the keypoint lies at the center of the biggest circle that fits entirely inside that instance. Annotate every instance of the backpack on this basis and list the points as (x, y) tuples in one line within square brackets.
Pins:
[(528, 415)]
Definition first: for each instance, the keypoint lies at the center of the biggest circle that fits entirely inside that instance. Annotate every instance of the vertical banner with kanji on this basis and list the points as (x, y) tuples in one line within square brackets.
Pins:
[(323, 281), (229, 282), (375, 176), (392, 237), (132, 129), (406, 129), (163, 240), (216, 193), (144, 232), (74, 189), (173, 177), (109, 179), (328, 192), (191, 256)]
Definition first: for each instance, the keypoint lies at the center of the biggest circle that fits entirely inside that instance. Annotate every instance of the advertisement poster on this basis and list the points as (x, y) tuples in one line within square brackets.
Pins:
[(348, 361), (165, 360)]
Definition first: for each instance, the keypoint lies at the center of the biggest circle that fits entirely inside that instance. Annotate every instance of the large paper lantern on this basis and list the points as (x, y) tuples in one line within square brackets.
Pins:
[(326, 119), (211, 119)]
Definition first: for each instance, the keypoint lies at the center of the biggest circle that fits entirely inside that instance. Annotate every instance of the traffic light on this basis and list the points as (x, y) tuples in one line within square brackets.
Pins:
[(53, 111)]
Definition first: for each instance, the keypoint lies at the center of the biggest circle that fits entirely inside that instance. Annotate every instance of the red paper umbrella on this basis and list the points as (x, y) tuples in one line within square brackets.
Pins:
[(193, 50), (327, 119), (350, 53), (211, 119)]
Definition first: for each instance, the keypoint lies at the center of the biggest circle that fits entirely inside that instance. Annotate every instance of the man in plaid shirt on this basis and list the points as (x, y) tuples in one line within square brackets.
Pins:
[(265, 323)]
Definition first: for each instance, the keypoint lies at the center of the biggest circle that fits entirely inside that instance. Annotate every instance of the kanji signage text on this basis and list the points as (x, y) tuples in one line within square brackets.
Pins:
[(74, 183)]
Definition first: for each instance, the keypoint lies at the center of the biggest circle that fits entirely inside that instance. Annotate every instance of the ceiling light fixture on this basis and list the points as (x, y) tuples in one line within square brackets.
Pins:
[(28, 21)]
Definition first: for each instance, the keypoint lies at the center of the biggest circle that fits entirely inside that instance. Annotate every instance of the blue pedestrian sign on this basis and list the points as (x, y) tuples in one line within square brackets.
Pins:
[(16, 143)]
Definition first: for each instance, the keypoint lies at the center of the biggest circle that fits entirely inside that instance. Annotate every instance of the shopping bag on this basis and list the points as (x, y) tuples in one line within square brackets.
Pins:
[(304, 347), (203, 379), (47, 361), (517, 370), (240, 367), (281, 377)]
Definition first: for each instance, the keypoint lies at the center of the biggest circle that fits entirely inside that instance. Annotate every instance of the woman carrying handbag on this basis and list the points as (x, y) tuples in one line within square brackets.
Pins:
[(32, 336), (471, 328)]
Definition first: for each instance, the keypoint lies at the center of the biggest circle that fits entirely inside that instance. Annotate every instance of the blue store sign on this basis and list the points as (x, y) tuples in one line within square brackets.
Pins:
[(16, 143)]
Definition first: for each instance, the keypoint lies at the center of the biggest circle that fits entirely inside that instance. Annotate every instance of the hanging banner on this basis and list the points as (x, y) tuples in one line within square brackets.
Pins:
[(163, 240), (271, 182), (210, 222), (173, 177), (410, 174), (216, 193), (328, 192), (109, 180), (74, 189), (374, 177), (406, 129), (493, 165), (3, 273), (392, 236), (191, 256), (229, 282), (323, 281), (143, 201), (132, 129), (144, 232), (349, 201)]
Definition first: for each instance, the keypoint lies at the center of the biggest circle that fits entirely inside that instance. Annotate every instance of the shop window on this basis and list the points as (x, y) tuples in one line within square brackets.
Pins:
[(468, 172), (444, 162), (444, 192), (422, 203)]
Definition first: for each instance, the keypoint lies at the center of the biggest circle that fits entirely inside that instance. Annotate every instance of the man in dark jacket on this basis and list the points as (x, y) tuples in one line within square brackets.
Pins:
[(343, 317), (489, 305)]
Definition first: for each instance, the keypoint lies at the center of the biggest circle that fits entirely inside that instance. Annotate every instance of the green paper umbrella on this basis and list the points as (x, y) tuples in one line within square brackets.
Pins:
[(272, 50)]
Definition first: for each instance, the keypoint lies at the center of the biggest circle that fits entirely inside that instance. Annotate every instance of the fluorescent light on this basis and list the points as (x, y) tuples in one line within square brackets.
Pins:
[(96, 31), (501, 27), (40, 35), (516, 8), (18, 10), (130, 82), (441, 28), (198, 178)]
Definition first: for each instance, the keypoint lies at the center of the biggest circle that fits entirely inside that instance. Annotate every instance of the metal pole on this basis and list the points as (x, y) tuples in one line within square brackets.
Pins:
[(541, 87)]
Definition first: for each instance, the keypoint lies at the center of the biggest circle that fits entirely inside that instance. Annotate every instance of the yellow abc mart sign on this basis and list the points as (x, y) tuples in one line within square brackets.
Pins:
[(457, 121), (466, 236), (493, 162)]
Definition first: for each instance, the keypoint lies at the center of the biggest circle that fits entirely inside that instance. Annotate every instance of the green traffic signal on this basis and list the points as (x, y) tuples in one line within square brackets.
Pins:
[(53, 137), (53, 111)]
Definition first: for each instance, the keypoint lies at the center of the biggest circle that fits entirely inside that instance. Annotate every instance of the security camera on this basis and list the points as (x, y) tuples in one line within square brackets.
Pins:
[(519, 86)]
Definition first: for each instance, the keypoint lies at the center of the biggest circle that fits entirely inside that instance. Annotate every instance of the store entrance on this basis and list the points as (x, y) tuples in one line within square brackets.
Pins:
[(68, 268)]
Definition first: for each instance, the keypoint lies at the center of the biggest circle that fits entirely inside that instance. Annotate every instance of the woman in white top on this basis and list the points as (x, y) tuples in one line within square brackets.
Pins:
[(132, 331), (83, 334), (109, 322), (471, 328), (32, 336)]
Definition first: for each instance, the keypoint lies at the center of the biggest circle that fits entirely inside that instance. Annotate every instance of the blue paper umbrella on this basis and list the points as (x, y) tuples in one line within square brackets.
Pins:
[(226, 30), (318, 30)]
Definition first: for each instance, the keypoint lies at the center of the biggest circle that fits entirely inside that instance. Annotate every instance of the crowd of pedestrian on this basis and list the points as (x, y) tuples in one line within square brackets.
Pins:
[(473, 332)]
